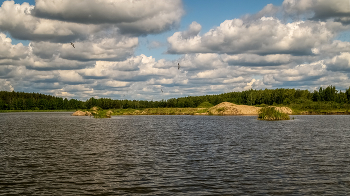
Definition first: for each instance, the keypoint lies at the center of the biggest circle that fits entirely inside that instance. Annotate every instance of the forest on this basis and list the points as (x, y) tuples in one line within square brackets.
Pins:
[(323, 98)]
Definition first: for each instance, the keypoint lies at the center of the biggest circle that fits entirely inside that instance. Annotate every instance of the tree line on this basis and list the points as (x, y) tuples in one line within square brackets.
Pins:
[(280, 96), (36, 101)]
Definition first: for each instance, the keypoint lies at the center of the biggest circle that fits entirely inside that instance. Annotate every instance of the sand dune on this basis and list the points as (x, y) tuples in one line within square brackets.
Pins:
[(227, 108)]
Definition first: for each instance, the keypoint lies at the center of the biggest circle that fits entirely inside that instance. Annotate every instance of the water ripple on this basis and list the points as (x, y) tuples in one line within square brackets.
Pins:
[(57, 154)]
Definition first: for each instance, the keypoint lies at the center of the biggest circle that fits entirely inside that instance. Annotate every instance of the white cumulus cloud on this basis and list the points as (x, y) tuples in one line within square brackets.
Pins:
[(263, 36), (139, 17)]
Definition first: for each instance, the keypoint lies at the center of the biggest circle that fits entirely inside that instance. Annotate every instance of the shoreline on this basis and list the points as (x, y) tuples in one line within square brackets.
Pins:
[(177, 111)]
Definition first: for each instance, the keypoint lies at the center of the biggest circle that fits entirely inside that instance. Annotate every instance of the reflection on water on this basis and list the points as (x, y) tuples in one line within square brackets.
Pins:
[(57, 154)]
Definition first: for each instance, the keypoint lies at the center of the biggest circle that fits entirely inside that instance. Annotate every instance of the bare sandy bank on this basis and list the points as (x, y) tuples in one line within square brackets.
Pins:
[(227, 108), (81, 113)]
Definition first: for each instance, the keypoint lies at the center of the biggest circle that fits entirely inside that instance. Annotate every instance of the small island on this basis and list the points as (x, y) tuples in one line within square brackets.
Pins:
[(96, 112), (272, 114), (224, 108)]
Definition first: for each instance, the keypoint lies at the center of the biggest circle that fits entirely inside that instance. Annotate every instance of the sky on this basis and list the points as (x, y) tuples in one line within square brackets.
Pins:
[(130, 49)]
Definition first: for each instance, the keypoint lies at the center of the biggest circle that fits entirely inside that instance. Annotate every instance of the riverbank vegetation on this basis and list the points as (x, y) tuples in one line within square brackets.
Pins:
[(96, 112), (322, 101), (271, 114), (102, 113)]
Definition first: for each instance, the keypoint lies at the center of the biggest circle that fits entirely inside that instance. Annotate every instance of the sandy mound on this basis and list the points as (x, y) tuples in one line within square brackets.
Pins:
[(227, 108), (286, 110), (81, 113), (94, 108), (109, 113)]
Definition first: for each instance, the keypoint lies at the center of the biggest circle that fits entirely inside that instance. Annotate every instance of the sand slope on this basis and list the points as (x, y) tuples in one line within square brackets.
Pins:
[(81, 113), (227, 108)]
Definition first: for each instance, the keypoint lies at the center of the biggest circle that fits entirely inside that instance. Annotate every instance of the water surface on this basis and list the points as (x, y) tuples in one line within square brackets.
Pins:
[(58, 154)]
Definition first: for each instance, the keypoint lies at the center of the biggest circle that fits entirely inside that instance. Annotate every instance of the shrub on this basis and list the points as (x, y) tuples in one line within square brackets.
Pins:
[(99, 113), (270, 113)]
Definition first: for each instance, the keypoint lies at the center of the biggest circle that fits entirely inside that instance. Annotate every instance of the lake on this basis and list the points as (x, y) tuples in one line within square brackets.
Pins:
[(59, 154)]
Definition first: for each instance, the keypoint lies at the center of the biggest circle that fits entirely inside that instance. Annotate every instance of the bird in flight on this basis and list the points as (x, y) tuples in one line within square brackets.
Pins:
[(178, 65), (161, 90), (72, 44)]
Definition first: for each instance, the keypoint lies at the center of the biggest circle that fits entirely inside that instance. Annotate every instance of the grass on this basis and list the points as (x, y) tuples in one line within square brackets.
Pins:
[(316, 108), (202, 110), (270, 113), (127, 111), (100, 113), (319, 108)]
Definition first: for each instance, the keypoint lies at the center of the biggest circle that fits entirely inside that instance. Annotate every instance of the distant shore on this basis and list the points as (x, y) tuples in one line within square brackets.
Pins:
[(8, 111), (176, 111), (190, 111)]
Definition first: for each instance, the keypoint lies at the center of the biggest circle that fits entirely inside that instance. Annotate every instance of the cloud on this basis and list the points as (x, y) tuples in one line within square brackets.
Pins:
[(257, 60), (117, 84), (9, 51), (192, 30), (55, 56), (299, 73), (269, 10), (5, 85), (236, 80), (298, 6), (112, 49), (269, 79), (339, 63), (319, 9), (70, 77), (24, 26), (332, 49), (138, 68), (135, 17), (92, 49), (67, 21), (138, 78), (54, 63), (217, 73), (263, 36), (200, 61)]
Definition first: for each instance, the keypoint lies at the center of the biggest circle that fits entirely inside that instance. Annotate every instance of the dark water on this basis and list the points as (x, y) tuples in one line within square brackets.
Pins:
[(57, 154)]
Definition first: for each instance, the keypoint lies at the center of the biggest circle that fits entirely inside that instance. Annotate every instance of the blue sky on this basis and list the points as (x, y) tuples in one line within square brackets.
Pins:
[(131, 49)]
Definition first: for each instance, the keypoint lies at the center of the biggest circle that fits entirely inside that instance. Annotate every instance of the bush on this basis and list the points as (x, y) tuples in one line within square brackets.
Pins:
[(99, 113), (270, 113)]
